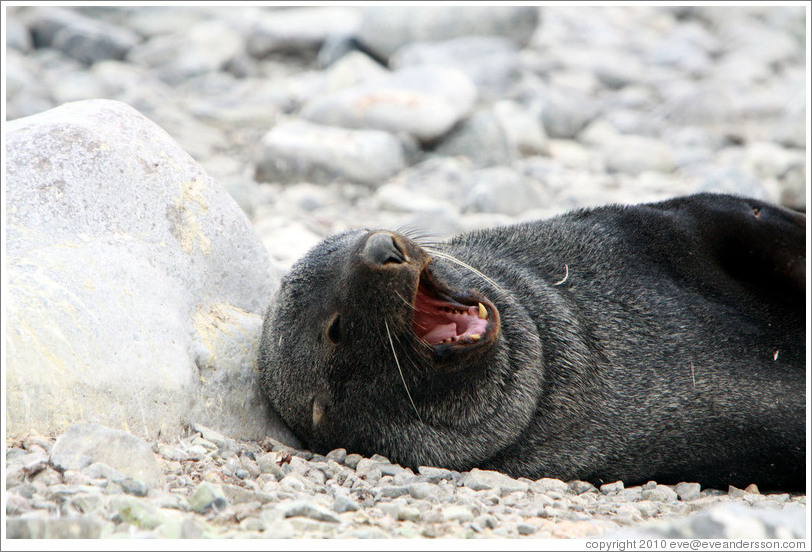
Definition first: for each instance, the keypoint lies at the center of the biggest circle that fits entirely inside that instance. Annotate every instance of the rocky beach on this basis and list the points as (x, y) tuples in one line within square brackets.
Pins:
[(166, 165)]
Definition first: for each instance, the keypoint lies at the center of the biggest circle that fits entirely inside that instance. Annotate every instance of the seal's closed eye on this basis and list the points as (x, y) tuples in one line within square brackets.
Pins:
[(334, 334)]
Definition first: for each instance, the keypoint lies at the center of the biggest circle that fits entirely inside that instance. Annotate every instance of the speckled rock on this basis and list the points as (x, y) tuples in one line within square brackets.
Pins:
[(116, 240)]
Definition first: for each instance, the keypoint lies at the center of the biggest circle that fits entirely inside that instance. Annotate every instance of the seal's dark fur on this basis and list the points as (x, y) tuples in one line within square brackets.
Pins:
[(662, 341)]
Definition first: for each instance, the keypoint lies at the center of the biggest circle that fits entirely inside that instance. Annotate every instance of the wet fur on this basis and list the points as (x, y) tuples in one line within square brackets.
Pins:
[(661, 342)]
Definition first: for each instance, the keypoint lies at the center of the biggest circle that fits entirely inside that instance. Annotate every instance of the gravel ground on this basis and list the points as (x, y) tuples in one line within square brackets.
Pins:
[(209, 485), (579, 107)]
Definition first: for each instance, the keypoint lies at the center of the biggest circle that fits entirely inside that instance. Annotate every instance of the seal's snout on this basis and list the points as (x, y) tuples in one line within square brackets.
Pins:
[(381, 250)]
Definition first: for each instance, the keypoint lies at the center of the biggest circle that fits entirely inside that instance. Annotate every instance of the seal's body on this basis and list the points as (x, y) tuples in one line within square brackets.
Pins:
[(662, 341)]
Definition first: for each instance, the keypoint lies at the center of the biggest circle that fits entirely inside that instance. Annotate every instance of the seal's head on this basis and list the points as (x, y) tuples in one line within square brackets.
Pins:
[(378, 345)]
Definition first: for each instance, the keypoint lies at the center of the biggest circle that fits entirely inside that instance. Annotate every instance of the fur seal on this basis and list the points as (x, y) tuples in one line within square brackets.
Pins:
[(662, 341)]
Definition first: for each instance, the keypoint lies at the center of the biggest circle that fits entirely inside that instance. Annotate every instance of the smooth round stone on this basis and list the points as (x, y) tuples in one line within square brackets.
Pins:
[(299, 150), (423, 101), (385, 30)]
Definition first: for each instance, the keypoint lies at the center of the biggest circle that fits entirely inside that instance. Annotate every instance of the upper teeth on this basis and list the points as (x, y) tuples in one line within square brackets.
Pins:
[(483, 312)]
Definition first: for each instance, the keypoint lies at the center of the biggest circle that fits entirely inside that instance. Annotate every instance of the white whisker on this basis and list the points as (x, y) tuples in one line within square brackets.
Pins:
[(453, 259), (397, 362)]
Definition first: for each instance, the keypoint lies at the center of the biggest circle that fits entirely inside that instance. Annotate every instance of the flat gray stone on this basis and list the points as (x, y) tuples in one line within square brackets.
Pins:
[(478, 480), (660, 493), (204, 48), (501, 190), (84, 444), (636, 154), (423, 101), (612, 488), (491, 62), (687, 491), (481, 139), (565, 113), (385, 29), (206, 497), (84, 527), (299, 30), (308, 510), (302, 151), (547, 484), (82, 38), (343, 504)]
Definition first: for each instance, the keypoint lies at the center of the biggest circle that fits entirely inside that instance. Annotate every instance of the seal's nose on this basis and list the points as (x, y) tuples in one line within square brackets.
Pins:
[(381, 249)]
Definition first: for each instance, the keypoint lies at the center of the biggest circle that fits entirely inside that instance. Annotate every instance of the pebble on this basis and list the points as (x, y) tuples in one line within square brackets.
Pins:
[(450, 118), (309, 510), (687, 491), (206, 497)]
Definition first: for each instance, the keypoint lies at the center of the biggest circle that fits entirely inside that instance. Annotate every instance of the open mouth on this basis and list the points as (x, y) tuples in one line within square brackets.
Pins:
[(442, 318)]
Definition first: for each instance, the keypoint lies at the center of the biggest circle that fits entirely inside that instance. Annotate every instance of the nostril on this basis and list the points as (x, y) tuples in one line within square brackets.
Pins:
[(381, 249)]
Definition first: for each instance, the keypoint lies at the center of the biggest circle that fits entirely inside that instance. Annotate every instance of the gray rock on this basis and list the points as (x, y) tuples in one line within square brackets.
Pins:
[(480, 138), (727, 521), (299, 150), (611, 488), (85, 527), (687, 491), (408, 513), (117, 244), (218, 439), (369, 470), (461, 514), (435, 475), (580, 487), (423, 490), (423, 101), (46, 477), (100, 470), (181, 528), (338, 455), (477, 480), (17, 35), (629, 495), (309, 510), (546, 485), (790, 130), (385, 30), (522, 128), (391, 491), (732, 180), (84, 444), (660, 493), (636, 154), (351, 70), (240, 495), (134, 487), (352, 460), (206, 497), (299, 30), (491, 62), (793, 188), (137, 512), (204, 48), (526, 528), (501, 190), (565, 113), (343, 504), (82, 38)]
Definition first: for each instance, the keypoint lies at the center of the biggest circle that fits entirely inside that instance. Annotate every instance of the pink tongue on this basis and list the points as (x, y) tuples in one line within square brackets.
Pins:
[(438, 333)]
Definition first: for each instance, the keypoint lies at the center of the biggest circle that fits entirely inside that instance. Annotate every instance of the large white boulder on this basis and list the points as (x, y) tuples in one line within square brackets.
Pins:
[(136, 286)]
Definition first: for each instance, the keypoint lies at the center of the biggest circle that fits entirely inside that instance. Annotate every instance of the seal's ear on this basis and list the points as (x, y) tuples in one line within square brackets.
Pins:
[(758, 244)]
